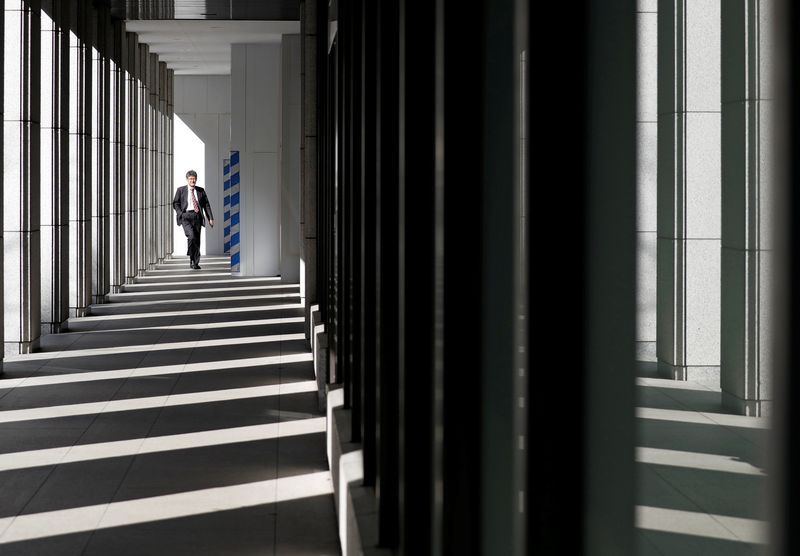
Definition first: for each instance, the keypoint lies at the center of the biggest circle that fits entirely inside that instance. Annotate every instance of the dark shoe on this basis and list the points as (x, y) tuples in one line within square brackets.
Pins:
[(197, 267)]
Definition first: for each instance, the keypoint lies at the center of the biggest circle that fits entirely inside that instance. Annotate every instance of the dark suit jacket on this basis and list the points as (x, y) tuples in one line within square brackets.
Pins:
[(181, 202)]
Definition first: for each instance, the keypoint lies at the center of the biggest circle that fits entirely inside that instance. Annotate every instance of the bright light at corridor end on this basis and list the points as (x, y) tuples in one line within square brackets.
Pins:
[(189, 154)]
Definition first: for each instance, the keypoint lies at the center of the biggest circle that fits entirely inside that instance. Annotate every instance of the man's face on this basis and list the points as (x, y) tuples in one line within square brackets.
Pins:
[(191, 180)]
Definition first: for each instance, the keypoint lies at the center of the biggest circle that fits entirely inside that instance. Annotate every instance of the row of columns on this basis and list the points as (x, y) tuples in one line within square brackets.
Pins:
[(308, 155), (715, 198), (88, 163)]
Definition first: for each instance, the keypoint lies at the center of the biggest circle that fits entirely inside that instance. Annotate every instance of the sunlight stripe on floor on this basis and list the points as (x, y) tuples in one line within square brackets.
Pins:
[(702, 418), (228, 281), (150, 402), (188, 300), (696, 460), (701, 524), (226, 365), (155, 444), (197, 326), (213, 311), (169, 346), (168, 506)]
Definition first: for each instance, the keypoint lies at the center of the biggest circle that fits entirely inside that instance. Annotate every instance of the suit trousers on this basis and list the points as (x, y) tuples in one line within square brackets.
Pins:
[(191, 227)]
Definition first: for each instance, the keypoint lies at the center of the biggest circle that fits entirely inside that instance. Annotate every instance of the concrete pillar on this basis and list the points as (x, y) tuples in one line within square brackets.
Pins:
[(117, 158), (131, 144), (2, 107), (748, 190), (647, 178), (689, 190), (291, 132), (308, 156), (164, 203), (154, 182), (143, 161), (80, 152), (21, 208), (255, 133), (54, 166), (100, 152), (170, 150)]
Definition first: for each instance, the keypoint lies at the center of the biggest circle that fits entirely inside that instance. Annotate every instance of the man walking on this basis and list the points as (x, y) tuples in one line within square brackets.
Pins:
[(189, 203)]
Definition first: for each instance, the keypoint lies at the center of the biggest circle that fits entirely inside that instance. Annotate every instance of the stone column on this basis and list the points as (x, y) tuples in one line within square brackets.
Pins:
[(748, 191), (308, 156), (2, 294), (170, 150), (21, 208), (689, 190), (100, 171), (143, 162), (291, 132), (54, 166), (117, 157), (154, 181), (166, 198), (80, 153), (131, 144), (255, 133), (647, 178)]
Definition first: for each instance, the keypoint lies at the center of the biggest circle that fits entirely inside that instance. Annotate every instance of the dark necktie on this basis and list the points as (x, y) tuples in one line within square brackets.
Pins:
[(194, 201)]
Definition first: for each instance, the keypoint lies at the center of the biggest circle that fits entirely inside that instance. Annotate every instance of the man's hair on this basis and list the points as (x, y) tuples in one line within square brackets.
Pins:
[(191, 173)]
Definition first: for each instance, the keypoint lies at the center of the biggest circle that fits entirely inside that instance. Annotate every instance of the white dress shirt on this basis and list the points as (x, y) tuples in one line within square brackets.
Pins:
[(190, 204)]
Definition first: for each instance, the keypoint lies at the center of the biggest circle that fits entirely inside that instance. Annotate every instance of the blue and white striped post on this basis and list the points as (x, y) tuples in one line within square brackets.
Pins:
[(226, 201), (235, 244)]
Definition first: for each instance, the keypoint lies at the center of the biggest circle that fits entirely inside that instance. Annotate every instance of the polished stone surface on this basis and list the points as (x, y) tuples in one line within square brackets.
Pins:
[(701, 483), (167, 425)]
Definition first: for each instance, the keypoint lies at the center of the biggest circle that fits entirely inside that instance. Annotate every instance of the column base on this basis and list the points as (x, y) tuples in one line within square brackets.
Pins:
[(130, 280), (99, 299), (77, 312), (646, 351), (20, 348), (52, 327), (355, 504), (115, 289), (748, 408), (705, 375)]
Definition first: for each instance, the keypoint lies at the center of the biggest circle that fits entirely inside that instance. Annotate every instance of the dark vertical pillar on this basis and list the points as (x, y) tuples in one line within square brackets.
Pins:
[(354, 230), (368, 247), (582, 500), (417, 203), (786, 535), (387, 260)]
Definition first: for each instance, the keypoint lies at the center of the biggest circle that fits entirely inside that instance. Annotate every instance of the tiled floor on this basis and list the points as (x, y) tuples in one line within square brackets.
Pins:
[(180, 418), (701, 480)]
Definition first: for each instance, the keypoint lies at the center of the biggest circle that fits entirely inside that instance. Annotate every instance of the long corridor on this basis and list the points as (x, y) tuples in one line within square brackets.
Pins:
[(179, 418)]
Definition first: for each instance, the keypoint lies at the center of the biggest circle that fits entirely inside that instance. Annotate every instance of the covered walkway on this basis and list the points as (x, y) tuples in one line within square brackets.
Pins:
[(169, 421)]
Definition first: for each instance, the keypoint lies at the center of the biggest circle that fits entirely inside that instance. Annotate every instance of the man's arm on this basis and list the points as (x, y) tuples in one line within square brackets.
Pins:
[(176, 201), (207, 208)]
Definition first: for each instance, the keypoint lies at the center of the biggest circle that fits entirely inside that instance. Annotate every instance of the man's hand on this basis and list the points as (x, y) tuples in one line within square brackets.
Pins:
[(211, 222)]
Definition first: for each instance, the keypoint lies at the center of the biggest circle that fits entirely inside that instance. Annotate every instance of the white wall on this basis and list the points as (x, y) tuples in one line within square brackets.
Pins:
[(290, 160), (203, 103), (256, 134)]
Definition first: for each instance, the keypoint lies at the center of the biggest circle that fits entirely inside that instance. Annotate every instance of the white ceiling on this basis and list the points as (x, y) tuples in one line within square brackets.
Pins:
[(203, 47)]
